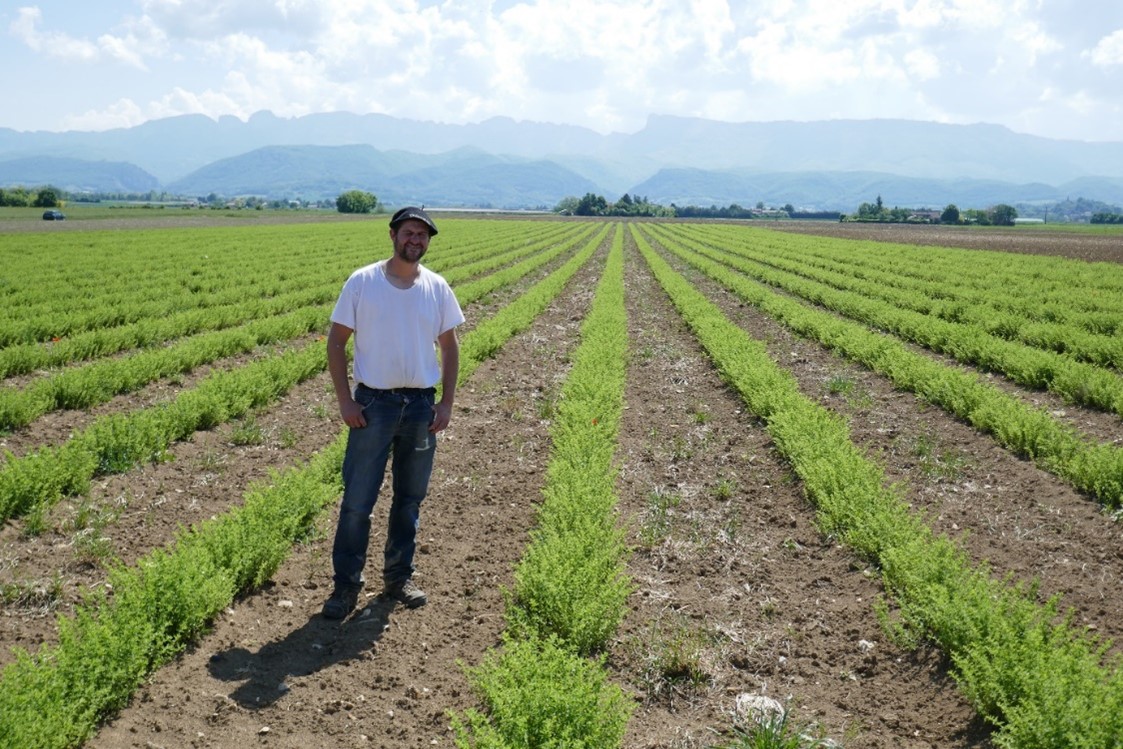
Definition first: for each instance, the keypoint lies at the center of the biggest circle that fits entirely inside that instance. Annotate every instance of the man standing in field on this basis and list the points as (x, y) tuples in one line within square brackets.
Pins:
[(399, 312)]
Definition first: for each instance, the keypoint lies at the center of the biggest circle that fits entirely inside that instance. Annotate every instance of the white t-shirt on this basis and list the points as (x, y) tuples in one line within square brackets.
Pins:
[(396, 329)]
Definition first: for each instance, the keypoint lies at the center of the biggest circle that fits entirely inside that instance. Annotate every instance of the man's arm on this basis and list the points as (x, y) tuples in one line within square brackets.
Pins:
[(351, 411), (450, 370)]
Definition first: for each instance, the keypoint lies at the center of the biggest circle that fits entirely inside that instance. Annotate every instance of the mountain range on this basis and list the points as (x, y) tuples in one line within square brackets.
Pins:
[(502, 163)]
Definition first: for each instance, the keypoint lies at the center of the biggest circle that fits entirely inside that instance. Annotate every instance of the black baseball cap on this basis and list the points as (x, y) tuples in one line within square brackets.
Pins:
[(405, 214)]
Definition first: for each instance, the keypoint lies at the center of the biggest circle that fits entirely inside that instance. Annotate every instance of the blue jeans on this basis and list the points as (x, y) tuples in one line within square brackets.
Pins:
[(398, 426)]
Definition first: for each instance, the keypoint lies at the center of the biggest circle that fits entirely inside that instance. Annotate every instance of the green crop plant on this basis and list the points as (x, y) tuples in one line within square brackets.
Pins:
[(1038, 680), (655, 524), (247, 432), (540, 694), (116, 443), (544, 688), (1027, 431), (673, 659), (56, 697)]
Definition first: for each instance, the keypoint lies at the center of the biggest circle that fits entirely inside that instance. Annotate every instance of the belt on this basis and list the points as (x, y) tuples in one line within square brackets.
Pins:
[(399, 391)]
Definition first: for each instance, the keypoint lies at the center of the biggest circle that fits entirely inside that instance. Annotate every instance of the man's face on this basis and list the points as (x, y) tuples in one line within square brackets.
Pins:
[(411, 240)]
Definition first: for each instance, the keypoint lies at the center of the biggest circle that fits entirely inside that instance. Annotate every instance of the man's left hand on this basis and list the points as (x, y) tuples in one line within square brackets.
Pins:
[(442, 414)]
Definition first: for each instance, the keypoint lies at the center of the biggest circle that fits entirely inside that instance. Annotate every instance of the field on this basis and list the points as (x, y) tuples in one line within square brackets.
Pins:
[(748, 574)]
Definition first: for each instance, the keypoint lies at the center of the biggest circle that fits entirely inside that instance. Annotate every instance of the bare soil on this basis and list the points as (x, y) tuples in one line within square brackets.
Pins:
[(1028, 239), (728, 563)]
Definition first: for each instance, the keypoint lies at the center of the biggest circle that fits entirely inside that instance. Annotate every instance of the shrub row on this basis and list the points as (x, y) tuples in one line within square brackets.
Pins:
[(116, 443), (1030, 432), (934, 300), (92, 344), (1074, 381), (57, 697), (1026, 671), (99, 381), (544, 689)]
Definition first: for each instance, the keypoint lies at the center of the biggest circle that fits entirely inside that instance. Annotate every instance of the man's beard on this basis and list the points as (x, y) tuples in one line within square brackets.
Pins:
[(409, 254)]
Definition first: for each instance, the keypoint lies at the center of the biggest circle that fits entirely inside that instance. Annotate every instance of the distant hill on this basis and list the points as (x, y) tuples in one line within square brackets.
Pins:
[(844, 191), (465, 177), (504, 163), (76, 175)]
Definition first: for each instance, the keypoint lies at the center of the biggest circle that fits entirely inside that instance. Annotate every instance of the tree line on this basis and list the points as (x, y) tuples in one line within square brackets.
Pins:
[(22, 197), (592, 204), (596, 205), (998, 215)]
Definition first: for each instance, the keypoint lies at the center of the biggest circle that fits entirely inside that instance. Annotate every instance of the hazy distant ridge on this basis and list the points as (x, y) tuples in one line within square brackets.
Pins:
[(504, 163)]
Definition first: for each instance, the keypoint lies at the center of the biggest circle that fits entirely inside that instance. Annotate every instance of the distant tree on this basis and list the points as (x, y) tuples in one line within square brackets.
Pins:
[(789, 208), (15, 197), (870, 211), (1003, 215), (47, 197), (976, 216), (356, 201), (591, 205), (1107, 218), (567, 206), (950, 215)]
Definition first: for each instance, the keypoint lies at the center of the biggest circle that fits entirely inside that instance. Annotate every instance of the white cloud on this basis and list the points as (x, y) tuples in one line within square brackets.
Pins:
[(1108, 51), (62, 46), (922, 64), (135, 41), (604, 64)]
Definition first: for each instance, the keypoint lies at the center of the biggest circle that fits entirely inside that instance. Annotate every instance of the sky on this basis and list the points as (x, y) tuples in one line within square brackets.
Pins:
[(1051, 68)]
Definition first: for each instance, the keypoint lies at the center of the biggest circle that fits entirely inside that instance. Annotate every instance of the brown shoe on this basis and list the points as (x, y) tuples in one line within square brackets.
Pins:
[(407, 594)]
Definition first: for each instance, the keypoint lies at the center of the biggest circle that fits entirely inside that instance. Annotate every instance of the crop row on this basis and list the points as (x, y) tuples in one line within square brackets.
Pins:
[(99, 381), (24, 358), (1041, 683), (545, 688), (57, 697), (1030, 432), (114, 444), (1075, 381), (1036, 287), (116, 286), (938, 300)]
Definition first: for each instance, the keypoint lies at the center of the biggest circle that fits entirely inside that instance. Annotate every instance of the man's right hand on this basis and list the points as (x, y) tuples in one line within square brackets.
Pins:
[(352, 413)]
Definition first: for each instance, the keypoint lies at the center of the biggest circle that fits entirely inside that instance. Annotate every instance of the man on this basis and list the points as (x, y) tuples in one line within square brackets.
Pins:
[(399, 312)]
